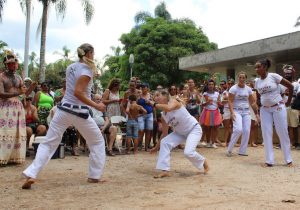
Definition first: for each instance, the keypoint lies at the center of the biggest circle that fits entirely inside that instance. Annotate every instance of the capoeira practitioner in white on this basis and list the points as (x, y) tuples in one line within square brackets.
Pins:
[(186, 129), (240, 96), (74, 110), (273, 110)]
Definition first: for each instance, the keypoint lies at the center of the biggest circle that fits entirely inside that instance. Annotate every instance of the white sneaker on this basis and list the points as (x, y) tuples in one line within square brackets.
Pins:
[(214, 146)]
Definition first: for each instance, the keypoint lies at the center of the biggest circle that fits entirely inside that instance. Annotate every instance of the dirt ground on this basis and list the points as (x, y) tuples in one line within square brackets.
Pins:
[(232, 183)]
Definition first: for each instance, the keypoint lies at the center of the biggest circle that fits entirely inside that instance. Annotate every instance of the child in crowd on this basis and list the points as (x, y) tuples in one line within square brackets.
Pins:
[(133, 110)]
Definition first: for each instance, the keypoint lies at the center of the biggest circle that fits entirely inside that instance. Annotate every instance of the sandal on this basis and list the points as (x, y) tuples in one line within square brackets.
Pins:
[(110, 153)]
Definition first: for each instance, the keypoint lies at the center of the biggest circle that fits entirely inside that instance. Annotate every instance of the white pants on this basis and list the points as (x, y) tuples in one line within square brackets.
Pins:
[(87, 128), (241, 126), (276, 114), (173, 140)]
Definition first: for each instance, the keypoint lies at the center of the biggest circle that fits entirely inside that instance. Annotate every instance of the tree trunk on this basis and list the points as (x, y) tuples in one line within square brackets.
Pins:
[(27, 37), (43, 41)]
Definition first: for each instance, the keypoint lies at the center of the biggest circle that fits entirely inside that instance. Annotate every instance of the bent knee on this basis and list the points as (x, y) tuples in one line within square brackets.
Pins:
[(189, 153)]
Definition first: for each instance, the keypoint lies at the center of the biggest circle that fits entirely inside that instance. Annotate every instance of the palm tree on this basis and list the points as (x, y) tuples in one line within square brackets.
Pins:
[(2, 2), (159, 11), (60, 6)]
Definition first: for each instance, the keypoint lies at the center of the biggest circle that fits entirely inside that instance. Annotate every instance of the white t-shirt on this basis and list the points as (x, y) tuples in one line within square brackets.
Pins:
[(181, 121), (269, 89), (214, 97), (98, 117), (225, 94), (296, 86), (73, 72), (241, 96)]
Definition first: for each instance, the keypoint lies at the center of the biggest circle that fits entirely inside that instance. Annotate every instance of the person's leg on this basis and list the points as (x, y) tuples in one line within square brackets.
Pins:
[(246, 118), (253, 133), (208, 135), (190, 148), (112, 136), (141, 123), (90, 131), (166, 145), (237, 131), (214, 133), (227, 131), (280, 121), (46, 149), (148, 130), (29, 134), (266, 117)]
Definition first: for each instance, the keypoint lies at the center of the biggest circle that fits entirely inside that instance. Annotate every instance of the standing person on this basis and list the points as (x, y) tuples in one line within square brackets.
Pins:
[(273, 111), (193, 99), (111, 98), (227, 122), (292, 111), (132, 90), (12, 113), (60, 93), (145, 121), (186, 129), (132, 127), (211, 117), (240, 96), (74, 111)]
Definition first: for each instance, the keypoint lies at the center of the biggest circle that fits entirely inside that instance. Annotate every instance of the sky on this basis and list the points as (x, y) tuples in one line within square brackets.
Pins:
[(225, 22)]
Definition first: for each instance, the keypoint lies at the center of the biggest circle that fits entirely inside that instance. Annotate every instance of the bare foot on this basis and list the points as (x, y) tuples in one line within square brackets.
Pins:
[(206, 168), (290, 164), (162, 175), (253, 145), (90, 180), (27, 184)]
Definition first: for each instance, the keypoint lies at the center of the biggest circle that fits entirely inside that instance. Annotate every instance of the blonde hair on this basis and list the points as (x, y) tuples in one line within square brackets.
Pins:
[(82, 50)]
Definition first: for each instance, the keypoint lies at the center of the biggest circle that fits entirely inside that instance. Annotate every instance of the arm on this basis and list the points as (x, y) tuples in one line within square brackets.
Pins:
[(79, 92), (289, 85), (35, 114), (165, 130), (142, 109), (172, 105), (106, 123), (219, 101), (5, 95), (230, 104), (31, 88), (36, 99)]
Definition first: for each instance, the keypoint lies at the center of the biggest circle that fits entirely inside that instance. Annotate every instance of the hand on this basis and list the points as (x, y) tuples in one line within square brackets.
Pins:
[(233, 117), (258, 118), (100, 107), (33, 84), (287, 104)]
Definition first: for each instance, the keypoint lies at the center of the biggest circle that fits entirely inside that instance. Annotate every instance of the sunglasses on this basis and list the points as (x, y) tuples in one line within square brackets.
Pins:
[(28, 99)]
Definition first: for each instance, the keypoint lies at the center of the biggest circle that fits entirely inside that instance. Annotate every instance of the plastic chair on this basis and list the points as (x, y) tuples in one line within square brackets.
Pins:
[(119, 121)]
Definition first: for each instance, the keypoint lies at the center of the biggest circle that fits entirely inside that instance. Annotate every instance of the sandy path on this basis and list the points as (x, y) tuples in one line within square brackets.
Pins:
[(232, 183)]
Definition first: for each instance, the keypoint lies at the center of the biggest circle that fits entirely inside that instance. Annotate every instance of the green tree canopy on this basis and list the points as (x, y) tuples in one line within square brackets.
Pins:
[(157, 43)]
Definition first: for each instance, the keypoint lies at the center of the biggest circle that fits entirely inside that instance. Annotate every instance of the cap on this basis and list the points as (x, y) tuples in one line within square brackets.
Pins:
[(27, 79)]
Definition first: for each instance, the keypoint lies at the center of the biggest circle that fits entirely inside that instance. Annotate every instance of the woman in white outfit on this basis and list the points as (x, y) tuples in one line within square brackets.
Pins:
[(74, 110), (273, 111), (240, 96), (186, 129)]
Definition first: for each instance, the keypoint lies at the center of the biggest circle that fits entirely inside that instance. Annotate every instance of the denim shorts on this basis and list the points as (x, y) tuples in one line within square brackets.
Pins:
[(146, 122), (132, 129)]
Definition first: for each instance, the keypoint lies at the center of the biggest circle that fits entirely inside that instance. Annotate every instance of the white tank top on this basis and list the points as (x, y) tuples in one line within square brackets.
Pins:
[(180, 120), (73, 72)]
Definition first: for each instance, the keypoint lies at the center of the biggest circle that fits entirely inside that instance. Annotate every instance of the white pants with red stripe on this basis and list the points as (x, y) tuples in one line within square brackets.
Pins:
[(278, 115), (173, 140), (87, 128)]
